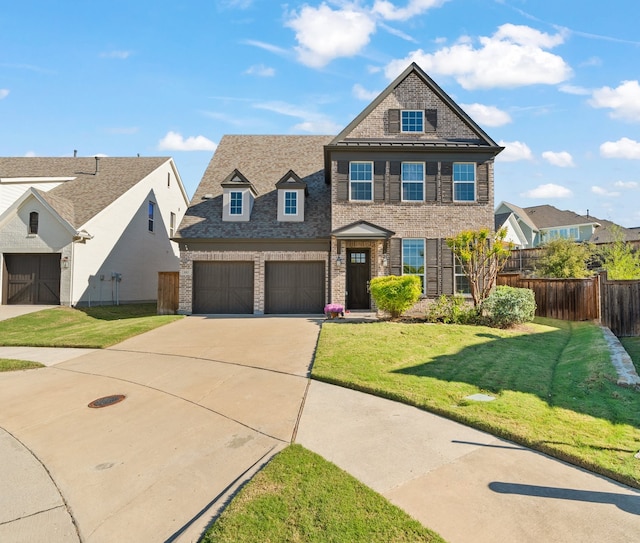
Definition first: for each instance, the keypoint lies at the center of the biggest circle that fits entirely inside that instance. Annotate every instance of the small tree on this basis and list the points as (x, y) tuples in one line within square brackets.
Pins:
[(564, 259), (619, 259), (395, 294), (482, 257)]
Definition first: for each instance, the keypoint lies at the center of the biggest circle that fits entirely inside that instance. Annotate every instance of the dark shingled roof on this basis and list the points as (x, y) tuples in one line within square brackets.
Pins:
[(263, 160), (500, 219), (546, 216), (89, 193)]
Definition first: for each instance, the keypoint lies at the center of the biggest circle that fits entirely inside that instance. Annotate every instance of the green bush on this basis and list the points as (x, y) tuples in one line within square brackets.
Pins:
[(508, 306), (395, 294), (452, 310)]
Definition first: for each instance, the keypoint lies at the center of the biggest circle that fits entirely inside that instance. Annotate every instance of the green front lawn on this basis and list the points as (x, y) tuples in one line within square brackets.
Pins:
[(300, 497), (90, 327), (553, 381), (8, 364), (632, 346)]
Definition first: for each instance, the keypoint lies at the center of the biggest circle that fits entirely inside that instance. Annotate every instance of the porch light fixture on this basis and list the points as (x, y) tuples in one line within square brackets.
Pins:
[(339, 260), (385, 260), (64, 262)]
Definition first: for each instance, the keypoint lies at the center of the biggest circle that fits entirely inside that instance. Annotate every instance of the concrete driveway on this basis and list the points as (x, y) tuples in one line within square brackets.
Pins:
[(208, 402)]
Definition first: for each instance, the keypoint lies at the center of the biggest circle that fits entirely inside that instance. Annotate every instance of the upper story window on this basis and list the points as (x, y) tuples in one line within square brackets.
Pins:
[(413, 258), (361, 181), (235, 203), (290, 202), (151, 214), (412, 120), (172, 224), (464, 181), (565, 233), (34, 217), (412, 181)]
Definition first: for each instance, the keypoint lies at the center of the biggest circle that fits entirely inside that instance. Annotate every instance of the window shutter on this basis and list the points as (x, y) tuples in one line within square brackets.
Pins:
[(395, 256), (431, 181), (482, 182), (431, 120), (342, 179), (446, 179), (394, 181), (447, 269), (379, 171), (432, 259), (393, 121)]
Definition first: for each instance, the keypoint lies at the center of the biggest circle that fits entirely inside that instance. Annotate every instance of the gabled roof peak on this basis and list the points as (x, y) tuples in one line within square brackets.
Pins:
[(236, 180)]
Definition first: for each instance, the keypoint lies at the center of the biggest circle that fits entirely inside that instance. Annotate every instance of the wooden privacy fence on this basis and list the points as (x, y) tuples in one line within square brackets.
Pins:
[(168, 292), (566, 299), (620, 306)]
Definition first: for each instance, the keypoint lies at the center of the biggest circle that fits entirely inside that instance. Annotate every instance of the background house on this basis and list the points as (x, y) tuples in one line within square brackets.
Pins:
[(83, 231), (284, 224)]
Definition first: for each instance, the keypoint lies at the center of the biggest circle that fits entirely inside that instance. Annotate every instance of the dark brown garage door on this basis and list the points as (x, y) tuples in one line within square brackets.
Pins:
[(32, 279), (223, 287), (294, 287)]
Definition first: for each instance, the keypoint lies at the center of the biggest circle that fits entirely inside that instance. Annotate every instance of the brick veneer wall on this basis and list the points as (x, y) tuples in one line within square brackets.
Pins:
[(259, 258)]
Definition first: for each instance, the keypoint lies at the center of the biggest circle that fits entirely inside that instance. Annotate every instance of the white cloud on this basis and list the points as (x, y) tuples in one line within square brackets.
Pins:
[(513, 57), (30, 154), (624, 100), (388, 11), (4, 93), (174, 141), (261, 70), (487, 115), (121, 55), (573, 89), (623, 148), (561, 159), (514, 151), (266, 46), (548, 191), (314, 123), (626, 184), (604, 192), (363, 94), (324, 34)]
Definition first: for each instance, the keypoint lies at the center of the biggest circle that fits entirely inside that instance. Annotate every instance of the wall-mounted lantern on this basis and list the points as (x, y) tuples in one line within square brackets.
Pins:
[(64, 262), (339, 261)]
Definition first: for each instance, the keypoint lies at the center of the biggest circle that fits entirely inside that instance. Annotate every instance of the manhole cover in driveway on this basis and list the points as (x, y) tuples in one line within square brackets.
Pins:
[(106, 401)]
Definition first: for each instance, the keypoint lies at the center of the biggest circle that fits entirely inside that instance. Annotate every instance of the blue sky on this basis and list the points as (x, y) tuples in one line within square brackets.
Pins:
[(556, 83)]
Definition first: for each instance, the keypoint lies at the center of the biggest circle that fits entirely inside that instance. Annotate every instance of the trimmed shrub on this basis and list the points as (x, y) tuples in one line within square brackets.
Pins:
[(452, 310), (508, 306), (395, 294)]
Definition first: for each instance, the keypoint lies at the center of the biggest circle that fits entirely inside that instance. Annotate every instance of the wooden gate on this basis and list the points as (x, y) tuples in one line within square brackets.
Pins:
[(168, 292)]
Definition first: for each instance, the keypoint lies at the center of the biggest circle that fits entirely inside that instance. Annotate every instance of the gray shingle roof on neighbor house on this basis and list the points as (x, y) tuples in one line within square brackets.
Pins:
[(89, 193), (263, 160), (546, 216)]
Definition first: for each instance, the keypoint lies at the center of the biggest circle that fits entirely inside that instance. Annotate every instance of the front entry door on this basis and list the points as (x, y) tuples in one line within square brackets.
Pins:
[(358, 276)]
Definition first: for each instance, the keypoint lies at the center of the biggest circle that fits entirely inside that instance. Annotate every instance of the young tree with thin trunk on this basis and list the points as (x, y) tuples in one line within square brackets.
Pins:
[(482, 256)]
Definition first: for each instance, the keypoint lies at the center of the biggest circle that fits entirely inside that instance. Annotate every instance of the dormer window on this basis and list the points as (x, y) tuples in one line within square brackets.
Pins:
[(290, 202), (235, 203), (34, 217), (291, 194), (237, 198)]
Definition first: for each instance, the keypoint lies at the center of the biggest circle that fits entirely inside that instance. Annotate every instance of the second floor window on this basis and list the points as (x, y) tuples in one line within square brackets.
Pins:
[(33, 222), (412, 120), (361, 180), (290, 203), (151, 213), (464, 181), (413, 181), (235, 203), (172, 224)]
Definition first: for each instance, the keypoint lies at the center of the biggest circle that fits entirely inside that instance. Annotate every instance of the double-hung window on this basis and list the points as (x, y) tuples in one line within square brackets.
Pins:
[(361, 181), (151, 214), (412, 181), (413, 258), (235, 203), (464, 181), (461, 279), (290, 202), (412, 120)]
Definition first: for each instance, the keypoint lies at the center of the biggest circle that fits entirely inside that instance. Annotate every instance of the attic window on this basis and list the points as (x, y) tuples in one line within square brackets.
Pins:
[(412, 120), (33, 223)]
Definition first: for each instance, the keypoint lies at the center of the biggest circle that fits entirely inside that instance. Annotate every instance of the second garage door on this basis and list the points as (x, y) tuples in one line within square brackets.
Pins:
[(223, 287), (294, 287)]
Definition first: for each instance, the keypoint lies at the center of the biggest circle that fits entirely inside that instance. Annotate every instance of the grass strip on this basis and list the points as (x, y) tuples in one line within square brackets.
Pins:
[(91, 327), (553, 381), (8, 364), (300, 497)]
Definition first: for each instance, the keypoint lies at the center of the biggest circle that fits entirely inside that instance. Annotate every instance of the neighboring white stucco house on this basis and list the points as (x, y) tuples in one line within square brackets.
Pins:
[(87, 231)]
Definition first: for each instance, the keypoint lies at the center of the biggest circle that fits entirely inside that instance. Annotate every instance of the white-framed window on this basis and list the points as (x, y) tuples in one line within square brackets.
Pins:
[(464, 181), (172, 224), (412, 120), (461, 281), (290, 202), (412, 181), (566, 233), (235, 203), (413, 258), (361, 181), (151, 215)]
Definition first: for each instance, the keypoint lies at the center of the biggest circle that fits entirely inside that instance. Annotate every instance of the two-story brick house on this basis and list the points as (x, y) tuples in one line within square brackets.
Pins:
[(284, 224)]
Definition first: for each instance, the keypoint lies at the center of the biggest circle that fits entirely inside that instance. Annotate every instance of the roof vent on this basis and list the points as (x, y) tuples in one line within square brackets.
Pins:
[(207, 196), (75, 153), (97, 164)]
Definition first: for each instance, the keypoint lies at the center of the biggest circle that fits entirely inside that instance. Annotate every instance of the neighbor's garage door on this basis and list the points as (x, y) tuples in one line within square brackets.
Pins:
[(223, 287), (33, 278), (294, 287)]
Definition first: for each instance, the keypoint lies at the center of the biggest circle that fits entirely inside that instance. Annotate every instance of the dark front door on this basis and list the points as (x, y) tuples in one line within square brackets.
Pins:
[(358, 276)]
